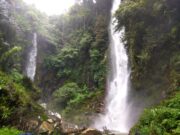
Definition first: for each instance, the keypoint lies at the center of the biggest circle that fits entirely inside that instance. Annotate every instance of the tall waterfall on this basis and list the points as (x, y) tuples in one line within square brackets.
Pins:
[(116, 113), (31, 63)]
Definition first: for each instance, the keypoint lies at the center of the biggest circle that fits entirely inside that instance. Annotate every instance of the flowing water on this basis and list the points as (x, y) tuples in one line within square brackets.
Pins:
[(31, 63), (117, 111)]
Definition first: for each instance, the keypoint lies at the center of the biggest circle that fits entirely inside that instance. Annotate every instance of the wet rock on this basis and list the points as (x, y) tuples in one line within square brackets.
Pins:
[(46, 127), (52, 124), (91, 131), (50, 121), (56, 117), (44, 105), (31, 125)]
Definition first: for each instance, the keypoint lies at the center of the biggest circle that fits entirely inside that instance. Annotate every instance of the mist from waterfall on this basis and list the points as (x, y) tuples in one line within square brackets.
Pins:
[(31, 63), (117, 108)]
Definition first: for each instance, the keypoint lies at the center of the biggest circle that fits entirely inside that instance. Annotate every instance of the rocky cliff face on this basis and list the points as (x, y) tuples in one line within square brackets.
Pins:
[(45, 78)]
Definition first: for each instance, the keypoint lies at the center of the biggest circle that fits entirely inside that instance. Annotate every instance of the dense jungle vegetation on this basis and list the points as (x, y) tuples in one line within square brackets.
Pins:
[(72, 55), (72, 62)]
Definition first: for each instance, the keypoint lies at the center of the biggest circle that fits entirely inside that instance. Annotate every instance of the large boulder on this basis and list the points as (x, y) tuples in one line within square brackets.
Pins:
[(31, 125), (46, 127), (52, 124), (91, 131)]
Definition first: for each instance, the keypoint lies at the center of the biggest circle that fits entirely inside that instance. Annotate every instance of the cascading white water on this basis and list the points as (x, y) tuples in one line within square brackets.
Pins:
[(116, 114), (31, 63)]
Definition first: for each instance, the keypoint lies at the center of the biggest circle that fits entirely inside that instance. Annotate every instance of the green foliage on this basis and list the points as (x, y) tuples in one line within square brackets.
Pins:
[(70, 95), (80, 109), (74, 102), (65, 93), (16, 28), (16, 99), (9, 131), (29, 19), (83, 41), (80, 57), (16, 76), (160, 120), (8, 54), (10, 97)]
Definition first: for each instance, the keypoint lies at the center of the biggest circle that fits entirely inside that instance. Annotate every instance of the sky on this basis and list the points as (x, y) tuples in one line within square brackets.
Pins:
[(52, 7)]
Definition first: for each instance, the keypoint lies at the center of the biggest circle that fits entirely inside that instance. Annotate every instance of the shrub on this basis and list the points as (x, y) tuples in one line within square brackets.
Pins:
[(160, 120), (65, 93), (16, 99), (9, 131)]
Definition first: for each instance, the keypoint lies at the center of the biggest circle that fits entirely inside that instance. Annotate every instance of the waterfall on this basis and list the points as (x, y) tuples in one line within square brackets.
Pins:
[(116, 115), (31, 63)]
